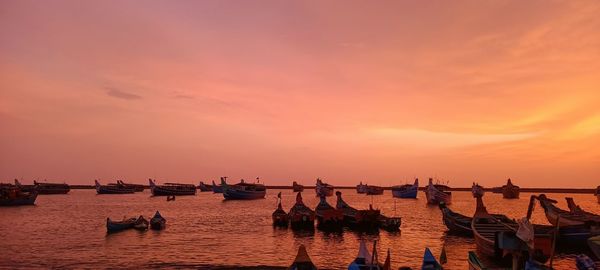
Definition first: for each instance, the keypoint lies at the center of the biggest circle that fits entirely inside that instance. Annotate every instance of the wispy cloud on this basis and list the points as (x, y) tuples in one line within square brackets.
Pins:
[(113, 92)]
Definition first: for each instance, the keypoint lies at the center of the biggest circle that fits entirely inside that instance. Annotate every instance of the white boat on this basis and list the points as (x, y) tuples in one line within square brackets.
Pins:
[(438, 193)]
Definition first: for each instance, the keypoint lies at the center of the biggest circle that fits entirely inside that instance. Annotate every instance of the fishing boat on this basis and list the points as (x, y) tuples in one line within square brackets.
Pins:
[(365, 260), (112, 189), (204, 187), (357, 219), (576, 209), (328, 218), (566, 217), (406, 191), (302, 260), (218, 188), (157, 222), (301, 217), (12, 196), (243, 191), (323, 189), (141, 224), (594, 244), (361, 188), (116, 226), (429, 261), (374, 190), (297, 187), (477, 190), (45, 188), (135, 187), (510, 191), (438, 193), (280, 217), (171, 189), (456, 223)]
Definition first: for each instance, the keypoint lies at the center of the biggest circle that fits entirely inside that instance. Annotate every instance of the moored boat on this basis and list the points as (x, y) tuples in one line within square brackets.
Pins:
[(141, 224), (135, 187), (477, 190), (323, 189), (218, 188), (116, 226), (566, 217), (158, 222), (204, 187), (406, 191), (429, 261), (171, 189), (301, 217), (45, 188), (456, 223), (510, 191), (243, 191), (297, 187), (374, 190), (357, 219), (328, 218), (302, 260), (280, 217), (365, 260), (576, 209), (438, 193), (12, 196), (112, 189), (361, 188)]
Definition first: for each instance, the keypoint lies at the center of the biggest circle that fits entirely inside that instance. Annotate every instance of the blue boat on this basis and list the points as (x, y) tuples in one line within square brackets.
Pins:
[(406, 191), (243, 191), (218, 188), (429, 261)]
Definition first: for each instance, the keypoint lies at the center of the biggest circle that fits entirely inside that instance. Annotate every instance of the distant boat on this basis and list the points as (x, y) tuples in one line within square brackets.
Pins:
[(157, 222), (112, 189), (45, 188), (364, 260), (374, 190), (297, 187), (361, 188), (12, 196), (243, 191), (510, 191), (429, 261), (323, 189), (218, 188), (438, 193), (477, 190), (566, 217), (357, 219), (116, 226), (141, 224), (204, 187), (280, 217), (135, 187), (302, 261), (576, 209), (328, 218), (171, 189), (301, 217), (407, 190)]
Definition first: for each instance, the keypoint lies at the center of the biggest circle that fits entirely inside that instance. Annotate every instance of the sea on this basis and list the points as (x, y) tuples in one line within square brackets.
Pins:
[(207, 232)]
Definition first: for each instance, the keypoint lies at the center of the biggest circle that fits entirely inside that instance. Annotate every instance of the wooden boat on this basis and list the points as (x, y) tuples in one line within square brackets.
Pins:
[(374, 190), (566, 217), (301, 217), (576, 209), (12, 196), (171, 189), (135, 187), (328, 218), (297, 187), (44, 188), (406, 191), (594, 244), (244, 191), (456, 223), (141, 224), (365, 260), (302, 260), (280, 217), (361, 188), (429, 261), (323, 189), (357, 219), (112, 189), (218, 188), (510, 191), (390, 224), (116, 226), (477, 190), (157, 222), (204, 187), (438, 193)]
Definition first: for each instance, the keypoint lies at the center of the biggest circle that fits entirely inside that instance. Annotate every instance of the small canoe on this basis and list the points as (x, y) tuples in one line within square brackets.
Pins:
[(116, 226), (280, 217), (566, 217), (406, 191), (157, 222), (302, 260), (141, 224), (429, 261)]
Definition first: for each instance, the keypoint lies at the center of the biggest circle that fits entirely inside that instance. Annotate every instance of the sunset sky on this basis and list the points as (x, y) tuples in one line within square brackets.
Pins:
[(348, 91)]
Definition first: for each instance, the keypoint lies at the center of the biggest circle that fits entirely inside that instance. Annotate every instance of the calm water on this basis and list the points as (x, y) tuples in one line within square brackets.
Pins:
[(68, 231)]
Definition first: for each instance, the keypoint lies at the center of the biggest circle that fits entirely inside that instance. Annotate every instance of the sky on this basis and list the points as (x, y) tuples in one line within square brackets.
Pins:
[(373, 91)]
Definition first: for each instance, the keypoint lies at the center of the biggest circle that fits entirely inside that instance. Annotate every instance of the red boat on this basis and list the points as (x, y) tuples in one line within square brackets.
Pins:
[(328, 218), (510, 191), (301, 217)]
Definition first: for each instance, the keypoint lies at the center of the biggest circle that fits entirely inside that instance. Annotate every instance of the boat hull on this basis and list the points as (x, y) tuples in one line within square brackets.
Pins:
[(112, 226), (405, 194), (27, 200), (108, 190), (160, 191), (510, 193), (217, 189), (436, 197), (234, 194), (330, 220)]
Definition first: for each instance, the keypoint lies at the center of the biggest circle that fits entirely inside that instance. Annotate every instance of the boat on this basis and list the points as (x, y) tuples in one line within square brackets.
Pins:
[(280, 217), (566, 217), (116, 226), (357, 219), (204, 187), (45, 188), (406, 191), (365, 260), (328, 218), (390, 224), (297, 187), (136, 187), (171, 189), (302, 260), (12, 196), (157, 222), (112, 189), (374, 190), (141, 224), (438, 193), (361, 188), (429, 261), (456, 223), (301, 217), (477, 190), (243, 191), (510, 191), (323, 189), (218, 188), (576, 209)]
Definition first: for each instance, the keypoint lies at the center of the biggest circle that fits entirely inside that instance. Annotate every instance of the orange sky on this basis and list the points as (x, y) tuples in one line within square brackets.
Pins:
[(349, 91)]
